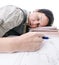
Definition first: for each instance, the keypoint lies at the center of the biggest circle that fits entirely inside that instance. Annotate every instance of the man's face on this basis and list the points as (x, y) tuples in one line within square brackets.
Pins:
[(37, 19)]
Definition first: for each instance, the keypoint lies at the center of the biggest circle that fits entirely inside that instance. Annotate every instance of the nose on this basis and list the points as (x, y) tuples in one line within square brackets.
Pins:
[(35, 22)]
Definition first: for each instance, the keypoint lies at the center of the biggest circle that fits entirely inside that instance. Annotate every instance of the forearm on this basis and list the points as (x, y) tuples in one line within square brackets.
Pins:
[(31, 41), (10, 44), (14, 44)]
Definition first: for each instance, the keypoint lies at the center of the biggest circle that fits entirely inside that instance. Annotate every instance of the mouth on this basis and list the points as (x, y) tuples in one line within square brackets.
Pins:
[(33, 25)]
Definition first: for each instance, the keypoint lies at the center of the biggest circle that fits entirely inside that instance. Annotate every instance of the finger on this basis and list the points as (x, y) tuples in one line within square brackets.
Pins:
[(36, 34), (37, 39), (32, 34)]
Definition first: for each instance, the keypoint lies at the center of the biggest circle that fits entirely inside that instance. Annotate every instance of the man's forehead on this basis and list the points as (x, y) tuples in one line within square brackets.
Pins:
[(43, 16), (39, 15)]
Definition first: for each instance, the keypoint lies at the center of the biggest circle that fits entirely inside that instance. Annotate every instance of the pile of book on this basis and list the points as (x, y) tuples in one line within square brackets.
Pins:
[(44, 29)]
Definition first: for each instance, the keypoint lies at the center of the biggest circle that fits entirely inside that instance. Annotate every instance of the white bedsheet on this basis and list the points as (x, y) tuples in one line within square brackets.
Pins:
[(47, 55)]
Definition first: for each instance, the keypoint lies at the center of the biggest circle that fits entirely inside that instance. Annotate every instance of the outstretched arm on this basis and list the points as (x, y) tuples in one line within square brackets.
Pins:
[(27, 42)]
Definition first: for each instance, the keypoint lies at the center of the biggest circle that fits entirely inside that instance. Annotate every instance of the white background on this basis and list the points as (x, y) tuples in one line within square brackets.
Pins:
[(31, 5)]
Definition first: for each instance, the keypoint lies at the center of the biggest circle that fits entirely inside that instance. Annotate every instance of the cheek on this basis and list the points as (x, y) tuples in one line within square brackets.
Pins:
[(44, 23)]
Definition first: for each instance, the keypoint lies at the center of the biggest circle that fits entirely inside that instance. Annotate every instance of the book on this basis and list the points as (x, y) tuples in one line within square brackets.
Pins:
[(44, 29)]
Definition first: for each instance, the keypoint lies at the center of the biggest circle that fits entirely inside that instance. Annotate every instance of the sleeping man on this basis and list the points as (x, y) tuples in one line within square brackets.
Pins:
[(15, 24)]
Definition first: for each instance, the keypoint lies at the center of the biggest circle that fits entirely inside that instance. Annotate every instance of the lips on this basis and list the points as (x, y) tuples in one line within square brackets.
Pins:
[(33, 25)]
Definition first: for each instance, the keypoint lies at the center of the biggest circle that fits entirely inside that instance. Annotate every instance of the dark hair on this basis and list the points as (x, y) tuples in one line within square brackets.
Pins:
[(49, 14)]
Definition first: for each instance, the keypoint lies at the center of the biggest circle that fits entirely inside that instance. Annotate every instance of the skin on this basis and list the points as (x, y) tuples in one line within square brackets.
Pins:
[(28, 42), (37, 19)]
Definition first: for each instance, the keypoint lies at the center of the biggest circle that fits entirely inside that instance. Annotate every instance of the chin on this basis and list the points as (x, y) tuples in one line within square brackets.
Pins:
[(32, 26)]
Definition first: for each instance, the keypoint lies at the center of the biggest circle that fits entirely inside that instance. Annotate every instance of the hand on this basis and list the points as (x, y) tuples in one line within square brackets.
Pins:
[(31, 41)]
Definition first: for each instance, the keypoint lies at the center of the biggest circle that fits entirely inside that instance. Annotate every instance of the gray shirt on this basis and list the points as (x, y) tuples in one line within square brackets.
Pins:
[(10, 17)]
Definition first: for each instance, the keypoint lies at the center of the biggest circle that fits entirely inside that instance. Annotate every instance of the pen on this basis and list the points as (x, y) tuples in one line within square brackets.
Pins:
[(45, 37)]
